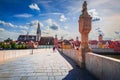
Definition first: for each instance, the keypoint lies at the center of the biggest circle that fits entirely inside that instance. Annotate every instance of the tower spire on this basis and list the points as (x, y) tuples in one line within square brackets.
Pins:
[(38, 28), (38, 36)]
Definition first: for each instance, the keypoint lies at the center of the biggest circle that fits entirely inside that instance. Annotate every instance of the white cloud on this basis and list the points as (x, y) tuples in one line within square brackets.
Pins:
[(52, 24), (24, 27), (6, 24), (35, 23), (63, 18), (94, 15), (8, 34), (23, 31), (2, 29), (49, 14), (34, 6), (65, 27), (25, 15), (44, 1), (98, 2), (57, 30), (51, 32), (60, 33), (33, 26), (49, 21)]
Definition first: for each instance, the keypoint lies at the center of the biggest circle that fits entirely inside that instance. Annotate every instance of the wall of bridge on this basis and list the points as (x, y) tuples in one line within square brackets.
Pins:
[(73, 54), (10, 54), (104, 68)]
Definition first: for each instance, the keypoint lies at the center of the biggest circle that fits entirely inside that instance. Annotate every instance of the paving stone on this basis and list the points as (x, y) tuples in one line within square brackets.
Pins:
[(31, 74), (44, 65), (4, 78), (5, 75), (51, 78), (50, 74), (55, 70), (42, 78), (41, 74), (32, 78), (57, 73), (59, 77), (14, 78), (24, 78)]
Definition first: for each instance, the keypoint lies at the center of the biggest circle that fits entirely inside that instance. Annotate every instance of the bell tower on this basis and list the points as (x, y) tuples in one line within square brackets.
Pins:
[(84, 29), (38, 33)]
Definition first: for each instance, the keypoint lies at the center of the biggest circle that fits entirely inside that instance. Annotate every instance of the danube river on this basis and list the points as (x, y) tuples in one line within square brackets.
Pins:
[(113, 56)]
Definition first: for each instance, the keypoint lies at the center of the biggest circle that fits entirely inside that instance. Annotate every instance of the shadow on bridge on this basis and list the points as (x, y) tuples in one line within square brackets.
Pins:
[(77, 73)]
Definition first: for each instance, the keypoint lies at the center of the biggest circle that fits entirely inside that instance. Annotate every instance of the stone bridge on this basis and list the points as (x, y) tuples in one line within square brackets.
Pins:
[(43, 64)]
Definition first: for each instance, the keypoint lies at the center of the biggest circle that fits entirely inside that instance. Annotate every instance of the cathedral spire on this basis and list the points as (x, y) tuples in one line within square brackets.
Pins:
[(38, 28), (38, 36)]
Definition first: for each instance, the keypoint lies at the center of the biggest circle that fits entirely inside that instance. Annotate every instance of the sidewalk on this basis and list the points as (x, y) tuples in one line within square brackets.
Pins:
[(43, 66)]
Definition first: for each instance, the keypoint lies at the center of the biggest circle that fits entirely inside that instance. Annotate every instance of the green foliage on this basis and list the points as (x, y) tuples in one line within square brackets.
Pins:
[(24, 46), (12, 45)]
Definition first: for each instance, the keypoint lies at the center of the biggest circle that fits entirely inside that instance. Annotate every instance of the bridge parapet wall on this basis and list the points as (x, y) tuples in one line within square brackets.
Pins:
[(104, 68), (10, 54), (72, 53)]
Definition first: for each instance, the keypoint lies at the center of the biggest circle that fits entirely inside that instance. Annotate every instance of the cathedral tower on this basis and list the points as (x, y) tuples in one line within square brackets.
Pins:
[(38, 33)]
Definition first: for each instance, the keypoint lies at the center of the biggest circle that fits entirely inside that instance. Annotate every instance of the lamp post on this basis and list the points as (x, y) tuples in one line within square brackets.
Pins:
[(62, 44), (48, 45)]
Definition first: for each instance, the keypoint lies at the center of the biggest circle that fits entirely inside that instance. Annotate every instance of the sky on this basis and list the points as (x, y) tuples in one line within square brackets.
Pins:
[(58, 17)]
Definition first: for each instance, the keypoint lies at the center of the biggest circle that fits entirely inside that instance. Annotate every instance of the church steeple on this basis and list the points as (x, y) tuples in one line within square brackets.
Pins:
[(38, 28), (38, 36)]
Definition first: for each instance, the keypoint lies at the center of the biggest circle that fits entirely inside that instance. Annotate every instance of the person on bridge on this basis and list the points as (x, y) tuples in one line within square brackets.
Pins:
[(54, 49)]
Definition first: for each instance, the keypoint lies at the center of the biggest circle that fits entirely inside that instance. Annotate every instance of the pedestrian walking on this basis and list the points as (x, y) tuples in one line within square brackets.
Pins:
[(54, 49)]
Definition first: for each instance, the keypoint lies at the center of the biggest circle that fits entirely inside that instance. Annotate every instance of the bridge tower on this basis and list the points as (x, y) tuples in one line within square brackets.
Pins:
[(84, 29)]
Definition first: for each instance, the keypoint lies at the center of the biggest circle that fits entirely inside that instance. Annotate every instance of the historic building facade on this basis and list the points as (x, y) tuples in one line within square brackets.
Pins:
[(42, 40), (27, 37)]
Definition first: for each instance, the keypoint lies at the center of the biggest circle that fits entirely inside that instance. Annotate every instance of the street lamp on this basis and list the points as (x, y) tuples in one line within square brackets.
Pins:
[(48, 45), (62, 44)]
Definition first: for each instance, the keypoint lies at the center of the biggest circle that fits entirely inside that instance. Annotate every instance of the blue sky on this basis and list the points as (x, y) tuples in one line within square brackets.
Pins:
[(58, 17)]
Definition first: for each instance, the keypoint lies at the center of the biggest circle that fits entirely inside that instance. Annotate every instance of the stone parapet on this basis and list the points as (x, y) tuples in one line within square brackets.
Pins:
[(73, 54), (10, 54), (104, 68)]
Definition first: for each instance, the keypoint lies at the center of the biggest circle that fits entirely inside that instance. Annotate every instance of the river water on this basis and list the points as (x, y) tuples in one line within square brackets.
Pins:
[(113, 56)]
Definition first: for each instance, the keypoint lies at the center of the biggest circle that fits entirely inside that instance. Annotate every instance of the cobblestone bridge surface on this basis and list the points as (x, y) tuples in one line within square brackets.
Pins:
[(46, 65)]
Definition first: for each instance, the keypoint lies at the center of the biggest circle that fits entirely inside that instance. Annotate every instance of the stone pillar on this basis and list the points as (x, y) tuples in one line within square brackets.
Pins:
[(84, 29)]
